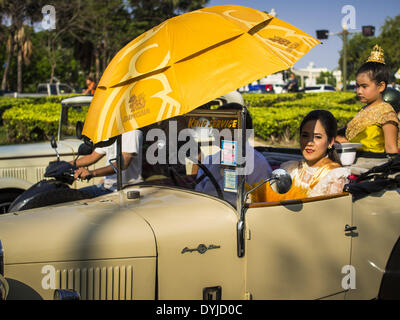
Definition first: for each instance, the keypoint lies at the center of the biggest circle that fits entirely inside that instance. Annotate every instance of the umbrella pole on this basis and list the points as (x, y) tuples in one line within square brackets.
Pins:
[(119, 162)]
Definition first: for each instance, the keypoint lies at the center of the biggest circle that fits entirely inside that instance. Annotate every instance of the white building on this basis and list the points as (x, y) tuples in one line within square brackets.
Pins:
[(309, 75)]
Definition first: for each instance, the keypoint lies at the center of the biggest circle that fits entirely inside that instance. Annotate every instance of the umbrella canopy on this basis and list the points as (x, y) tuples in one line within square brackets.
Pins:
[(187, 61)]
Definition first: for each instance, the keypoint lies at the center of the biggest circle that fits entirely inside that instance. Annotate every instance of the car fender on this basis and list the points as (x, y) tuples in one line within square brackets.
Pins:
[(97, 247), (14, 183)]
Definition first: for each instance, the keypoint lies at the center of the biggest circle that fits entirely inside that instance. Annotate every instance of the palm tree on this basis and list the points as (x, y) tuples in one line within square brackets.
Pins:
[(19, 12), (10, 52)]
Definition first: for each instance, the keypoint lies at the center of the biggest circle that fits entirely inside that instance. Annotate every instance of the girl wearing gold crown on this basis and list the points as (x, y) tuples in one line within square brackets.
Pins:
[(375, 126)]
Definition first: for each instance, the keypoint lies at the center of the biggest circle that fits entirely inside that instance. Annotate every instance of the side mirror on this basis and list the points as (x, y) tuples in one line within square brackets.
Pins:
[(53, 144), (79, 129), (281, 181)]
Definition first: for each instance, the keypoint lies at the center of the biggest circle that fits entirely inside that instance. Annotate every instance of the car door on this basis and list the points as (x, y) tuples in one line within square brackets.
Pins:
[(297, 249)]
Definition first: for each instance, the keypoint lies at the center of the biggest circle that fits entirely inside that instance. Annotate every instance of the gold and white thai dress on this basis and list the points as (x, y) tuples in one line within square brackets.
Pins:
[(328, 178), (366, 127)]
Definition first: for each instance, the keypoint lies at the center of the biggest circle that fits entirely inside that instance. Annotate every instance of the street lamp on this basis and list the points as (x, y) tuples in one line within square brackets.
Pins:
[(367, 31)]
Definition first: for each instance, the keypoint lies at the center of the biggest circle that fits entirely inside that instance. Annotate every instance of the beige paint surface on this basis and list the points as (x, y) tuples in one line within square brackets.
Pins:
[(377, 218), (297, 251), (186, 222)]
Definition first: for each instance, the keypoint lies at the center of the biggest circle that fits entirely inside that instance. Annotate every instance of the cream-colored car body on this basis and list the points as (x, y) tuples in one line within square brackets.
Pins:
[(23, 165), (175, 243), (112, 247)]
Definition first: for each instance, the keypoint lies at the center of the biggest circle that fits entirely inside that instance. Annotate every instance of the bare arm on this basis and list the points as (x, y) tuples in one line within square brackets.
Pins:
[(391, 133), (83, 173), (341, 135), (87, 160)]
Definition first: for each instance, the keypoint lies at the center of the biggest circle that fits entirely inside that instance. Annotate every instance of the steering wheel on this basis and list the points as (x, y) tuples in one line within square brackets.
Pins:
[(175, 176)]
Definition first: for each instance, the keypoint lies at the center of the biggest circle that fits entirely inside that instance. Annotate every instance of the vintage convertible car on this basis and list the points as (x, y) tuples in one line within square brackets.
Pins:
[(163, 239)]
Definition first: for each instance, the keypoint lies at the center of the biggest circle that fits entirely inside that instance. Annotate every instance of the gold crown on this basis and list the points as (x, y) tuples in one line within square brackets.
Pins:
[(376, 55)]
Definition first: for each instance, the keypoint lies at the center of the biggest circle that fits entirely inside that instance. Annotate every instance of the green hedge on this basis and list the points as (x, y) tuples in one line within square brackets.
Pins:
[(277, 116), (31, 122), (26, 119), (274, 116), (8, 102), (37, 122)]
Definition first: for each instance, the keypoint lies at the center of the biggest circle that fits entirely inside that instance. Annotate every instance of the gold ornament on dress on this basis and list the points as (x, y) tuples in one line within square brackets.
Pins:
[(376, 55)]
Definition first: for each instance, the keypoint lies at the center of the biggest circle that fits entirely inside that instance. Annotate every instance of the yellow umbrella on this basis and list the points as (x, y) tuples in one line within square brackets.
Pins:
[(187, 61)]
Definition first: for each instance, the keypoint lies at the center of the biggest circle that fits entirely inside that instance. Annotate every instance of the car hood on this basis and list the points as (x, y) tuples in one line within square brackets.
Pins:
[(88, 229), (40, 149), (107, 227)]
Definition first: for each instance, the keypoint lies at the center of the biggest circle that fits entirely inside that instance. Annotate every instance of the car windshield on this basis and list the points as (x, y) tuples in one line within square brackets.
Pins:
[(201, 151), (53, 89), (70, 115)]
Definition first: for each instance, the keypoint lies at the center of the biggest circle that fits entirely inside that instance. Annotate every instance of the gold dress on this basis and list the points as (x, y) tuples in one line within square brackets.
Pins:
[(328, 178), (366, 127)]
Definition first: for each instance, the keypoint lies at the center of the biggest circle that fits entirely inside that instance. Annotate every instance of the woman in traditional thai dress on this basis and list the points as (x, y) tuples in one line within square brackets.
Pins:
[(320, 172)]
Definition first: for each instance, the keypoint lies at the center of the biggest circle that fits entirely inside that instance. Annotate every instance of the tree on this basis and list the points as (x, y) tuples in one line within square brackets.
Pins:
[(359, 47), (105, 30), (20, 12), (326, 78), (358, 50), (390, 33), (68, 19), (9, 51), (150, 13), (67, 69)]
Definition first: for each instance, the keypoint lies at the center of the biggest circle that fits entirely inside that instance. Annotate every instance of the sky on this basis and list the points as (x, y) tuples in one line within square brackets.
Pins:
[(312, 15)]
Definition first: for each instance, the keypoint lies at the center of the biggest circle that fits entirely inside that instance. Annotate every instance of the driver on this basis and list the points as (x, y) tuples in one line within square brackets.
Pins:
[(255, 172), (131, 169)]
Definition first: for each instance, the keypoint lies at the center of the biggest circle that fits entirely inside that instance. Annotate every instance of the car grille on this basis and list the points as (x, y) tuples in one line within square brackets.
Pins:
[(106, 283), (17, 173)]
